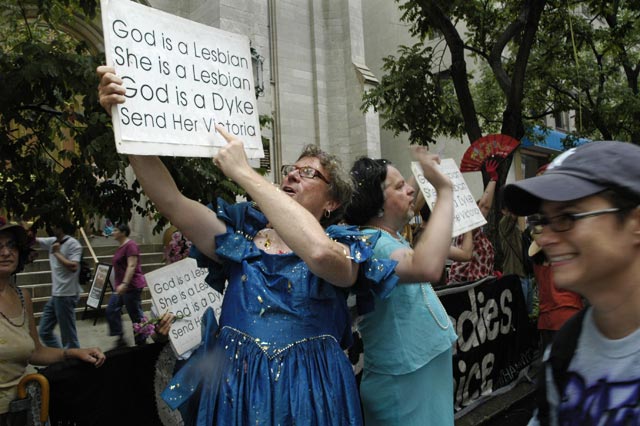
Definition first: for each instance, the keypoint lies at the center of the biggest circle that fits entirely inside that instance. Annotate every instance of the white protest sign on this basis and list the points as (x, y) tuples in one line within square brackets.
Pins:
[(182, 78), (180, 288), (466, 214)]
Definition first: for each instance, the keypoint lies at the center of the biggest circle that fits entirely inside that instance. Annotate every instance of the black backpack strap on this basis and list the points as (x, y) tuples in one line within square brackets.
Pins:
[(562, 349)]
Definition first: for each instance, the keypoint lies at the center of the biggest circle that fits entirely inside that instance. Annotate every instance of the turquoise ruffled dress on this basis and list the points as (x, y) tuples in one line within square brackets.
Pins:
[(276, 358), (408, 341)]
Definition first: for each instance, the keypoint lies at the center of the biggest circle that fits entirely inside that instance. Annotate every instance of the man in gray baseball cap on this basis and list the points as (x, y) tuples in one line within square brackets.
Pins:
[(587, 221), (578, 173)]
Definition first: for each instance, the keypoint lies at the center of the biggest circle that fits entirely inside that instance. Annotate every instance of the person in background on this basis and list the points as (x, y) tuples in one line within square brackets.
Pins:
[(176, 246), (408, 337), (514, 256), (277, 356), (588, 201), (19, 342), (481, 264), (129, 282), (556, 305), (65, 254)]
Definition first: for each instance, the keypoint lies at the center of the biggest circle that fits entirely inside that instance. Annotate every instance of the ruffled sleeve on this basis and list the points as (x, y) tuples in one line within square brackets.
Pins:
[(243, 222), (376, 277)]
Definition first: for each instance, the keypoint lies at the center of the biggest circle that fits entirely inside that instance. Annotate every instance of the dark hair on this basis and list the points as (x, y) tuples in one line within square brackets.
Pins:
[(67, 227), (368, 199), (340, 186), (124, 228), (622, 199)]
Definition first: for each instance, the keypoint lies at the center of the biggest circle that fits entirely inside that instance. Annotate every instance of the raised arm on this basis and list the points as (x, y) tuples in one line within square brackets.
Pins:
[(196, 221), (464, 253), (299, 229), (487, 198), (426, 261), (486, 201)]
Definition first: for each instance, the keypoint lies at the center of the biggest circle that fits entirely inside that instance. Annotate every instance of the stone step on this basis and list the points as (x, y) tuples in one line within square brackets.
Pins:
[(42, 262), (150, 262), (106, 249), (80, 310), (36, 278), (39, 302)]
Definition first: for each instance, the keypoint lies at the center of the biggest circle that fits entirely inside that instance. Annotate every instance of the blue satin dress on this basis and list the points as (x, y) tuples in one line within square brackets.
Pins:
[(276, 358)]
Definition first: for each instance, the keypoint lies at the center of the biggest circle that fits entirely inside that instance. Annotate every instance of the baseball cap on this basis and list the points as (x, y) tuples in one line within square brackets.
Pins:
[(577, 173)]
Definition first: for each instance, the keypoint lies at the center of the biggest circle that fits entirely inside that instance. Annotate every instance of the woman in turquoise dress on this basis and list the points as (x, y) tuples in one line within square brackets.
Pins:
[(276, 358), (408, 377)]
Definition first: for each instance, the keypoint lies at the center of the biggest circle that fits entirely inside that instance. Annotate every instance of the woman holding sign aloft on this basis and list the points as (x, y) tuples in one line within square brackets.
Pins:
[(407, 378), (277, 356), (481, 264)]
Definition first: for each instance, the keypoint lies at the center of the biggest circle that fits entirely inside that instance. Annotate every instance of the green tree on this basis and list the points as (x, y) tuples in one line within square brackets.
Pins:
[(57, 150), (487, 66), (428, 95), (511, 64), (587, 60)]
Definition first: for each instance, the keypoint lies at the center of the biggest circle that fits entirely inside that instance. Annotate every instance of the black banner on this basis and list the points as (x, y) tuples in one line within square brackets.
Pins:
[(121, 392), (496, 341)]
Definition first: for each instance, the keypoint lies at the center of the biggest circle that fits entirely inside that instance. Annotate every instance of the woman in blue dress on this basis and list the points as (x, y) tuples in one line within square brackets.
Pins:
[(276, 358), (408, 377)]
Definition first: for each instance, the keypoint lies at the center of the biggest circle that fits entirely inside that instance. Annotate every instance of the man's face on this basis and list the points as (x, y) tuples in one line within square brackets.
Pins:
[(399, 197), (596, 254)]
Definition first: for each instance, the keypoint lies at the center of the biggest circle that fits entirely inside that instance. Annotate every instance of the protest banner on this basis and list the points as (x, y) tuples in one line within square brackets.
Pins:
[(180, 288), (466, 214), (181, 78), (496, 341)]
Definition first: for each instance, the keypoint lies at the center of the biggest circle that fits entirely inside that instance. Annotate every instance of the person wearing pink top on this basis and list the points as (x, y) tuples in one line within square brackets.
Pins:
[(128, 284)]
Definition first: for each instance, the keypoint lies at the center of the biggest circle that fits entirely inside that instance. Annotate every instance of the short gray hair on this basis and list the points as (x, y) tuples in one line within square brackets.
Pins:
[(340, 186)]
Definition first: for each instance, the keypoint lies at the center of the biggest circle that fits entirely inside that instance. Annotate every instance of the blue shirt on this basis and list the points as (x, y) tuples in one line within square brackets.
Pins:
[(409, 328)]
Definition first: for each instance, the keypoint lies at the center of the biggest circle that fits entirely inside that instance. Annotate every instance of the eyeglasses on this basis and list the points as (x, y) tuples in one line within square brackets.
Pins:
[(9, 245), (304, 171), (563, 222)]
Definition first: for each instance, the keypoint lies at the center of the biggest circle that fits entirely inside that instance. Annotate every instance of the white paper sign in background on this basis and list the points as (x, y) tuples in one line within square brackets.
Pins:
[(180, 288), (466, 213), (182, 78)]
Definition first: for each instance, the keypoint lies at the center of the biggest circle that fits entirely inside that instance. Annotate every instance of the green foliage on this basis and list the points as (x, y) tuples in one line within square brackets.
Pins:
[(43, 77), (511, 64), (589, 62), (412, 98), (57, 151)]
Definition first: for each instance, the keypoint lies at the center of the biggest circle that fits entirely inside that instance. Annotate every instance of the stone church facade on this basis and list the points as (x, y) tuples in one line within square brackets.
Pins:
[(317, 59)]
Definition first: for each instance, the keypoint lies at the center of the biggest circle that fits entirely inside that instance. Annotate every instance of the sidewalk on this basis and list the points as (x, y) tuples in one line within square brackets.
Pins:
[(503, 409), (98, 335)]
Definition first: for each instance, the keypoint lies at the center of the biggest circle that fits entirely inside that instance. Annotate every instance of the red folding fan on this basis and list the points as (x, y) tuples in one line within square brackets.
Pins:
[(485, 147)]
